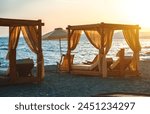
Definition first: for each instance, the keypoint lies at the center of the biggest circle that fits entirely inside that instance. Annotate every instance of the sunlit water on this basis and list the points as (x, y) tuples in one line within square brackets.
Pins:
[(84, 51)]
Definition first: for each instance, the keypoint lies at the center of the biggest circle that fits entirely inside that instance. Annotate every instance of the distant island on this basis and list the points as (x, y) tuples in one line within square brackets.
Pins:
[(143, 35), (119, 35)]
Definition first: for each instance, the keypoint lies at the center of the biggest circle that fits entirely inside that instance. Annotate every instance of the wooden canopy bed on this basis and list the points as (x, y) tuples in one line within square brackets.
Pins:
[(100, 36), (31, 30)]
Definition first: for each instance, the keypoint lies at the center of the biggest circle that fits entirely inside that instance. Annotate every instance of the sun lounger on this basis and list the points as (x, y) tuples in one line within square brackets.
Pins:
[(91, 62), (91, 65), (84, 66), (24, 67), (92, 68), (121, 66), (126, 63)]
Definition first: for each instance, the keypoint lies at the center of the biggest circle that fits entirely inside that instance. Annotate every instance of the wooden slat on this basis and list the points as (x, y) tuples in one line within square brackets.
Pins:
[(86, 73), (69, 50), (19, 22), (103, 25)]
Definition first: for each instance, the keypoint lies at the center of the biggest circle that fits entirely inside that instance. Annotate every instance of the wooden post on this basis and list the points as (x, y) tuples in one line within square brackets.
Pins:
[(121, 55), (69, 51), (12, 65), (103, 60), (99, 62), (138, 58), (12, 61), (100, 57), (39, 65)]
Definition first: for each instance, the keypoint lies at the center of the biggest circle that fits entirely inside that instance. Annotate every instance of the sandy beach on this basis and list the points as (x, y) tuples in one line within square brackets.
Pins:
[(68, 85)]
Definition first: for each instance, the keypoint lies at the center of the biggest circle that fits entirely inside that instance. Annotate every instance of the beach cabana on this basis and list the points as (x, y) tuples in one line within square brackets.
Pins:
[(100, 36), (31, 30)]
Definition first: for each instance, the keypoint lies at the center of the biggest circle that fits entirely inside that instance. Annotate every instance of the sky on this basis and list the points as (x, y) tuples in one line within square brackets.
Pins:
[(61, 13)]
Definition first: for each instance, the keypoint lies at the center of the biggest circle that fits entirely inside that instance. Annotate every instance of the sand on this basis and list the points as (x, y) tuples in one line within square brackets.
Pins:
[(67, 85)]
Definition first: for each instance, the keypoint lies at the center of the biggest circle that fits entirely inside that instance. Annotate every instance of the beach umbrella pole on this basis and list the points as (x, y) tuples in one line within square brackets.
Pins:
[(60, 46)]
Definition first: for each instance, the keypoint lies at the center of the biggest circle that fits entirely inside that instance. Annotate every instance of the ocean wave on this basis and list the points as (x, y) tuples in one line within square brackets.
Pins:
[(84, 50), (3, 48)]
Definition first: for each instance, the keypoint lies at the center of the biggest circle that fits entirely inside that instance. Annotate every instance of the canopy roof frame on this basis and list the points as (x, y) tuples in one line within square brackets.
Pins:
[(19, 22), (103, 25)]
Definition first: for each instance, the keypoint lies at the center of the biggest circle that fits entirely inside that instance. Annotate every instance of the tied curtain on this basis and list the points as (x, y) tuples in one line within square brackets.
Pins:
[(31, 38), (74, 39), (108, 34), (95, 37), (132, 39), (13, 42), (14, 37)]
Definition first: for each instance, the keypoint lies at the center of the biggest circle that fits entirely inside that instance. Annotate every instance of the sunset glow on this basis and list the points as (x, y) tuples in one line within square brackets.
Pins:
[(137, 12), (61, 13)]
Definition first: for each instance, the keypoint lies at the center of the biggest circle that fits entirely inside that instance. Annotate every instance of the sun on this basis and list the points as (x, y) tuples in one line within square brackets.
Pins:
[(137, 11)]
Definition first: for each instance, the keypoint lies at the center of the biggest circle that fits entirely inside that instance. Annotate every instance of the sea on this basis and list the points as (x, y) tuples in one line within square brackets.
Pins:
[(84, 50)]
